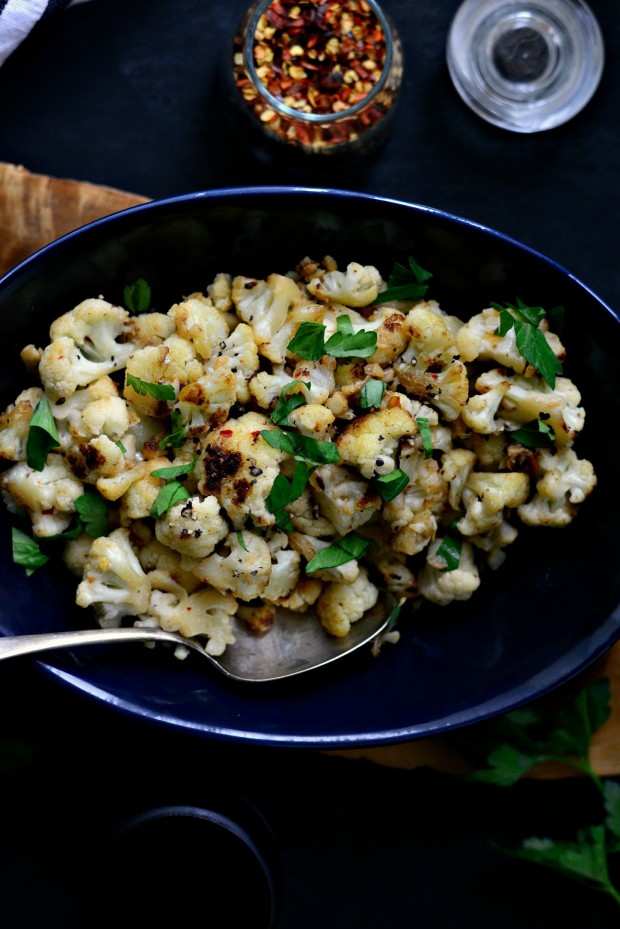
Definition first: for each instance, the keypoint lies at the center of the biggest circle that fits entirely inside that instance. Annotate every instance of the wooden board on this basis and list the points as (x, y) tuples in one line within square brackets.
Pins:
[(35, 210)]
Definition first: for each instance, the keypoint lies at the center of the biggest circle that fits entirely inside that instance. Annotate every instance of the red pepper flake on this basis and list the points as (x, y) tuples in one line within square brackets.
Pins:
[(319, 58)]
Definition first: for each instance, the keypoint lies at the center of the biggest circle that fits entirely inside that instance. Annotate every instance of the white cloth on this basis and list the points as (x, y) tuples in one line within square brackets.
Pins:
[(19, 17)]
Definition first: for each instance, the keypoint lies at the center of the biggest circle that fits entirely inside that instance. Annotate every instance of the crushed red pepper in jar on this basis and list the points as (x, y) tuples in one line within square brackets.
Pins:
[(320, 74)]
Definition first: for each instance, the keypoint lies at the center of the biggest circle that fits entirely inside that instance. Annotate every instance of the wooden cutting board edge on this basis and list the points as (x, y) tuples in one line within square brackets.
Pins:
[(36, 209)]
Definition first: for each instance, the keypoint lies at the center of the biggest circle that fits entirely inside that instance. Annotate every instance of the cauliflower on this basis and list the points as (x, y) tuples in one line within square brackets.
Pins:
[(440, 586), (412, 514), (370, 442), (161, 563), (478, 339), (174, 362), (101, 458), (303, 596), (193, 527), (110, 416), (48, 496), (345, 499), (308, 546), (15, 424), (284, 568), (265, 306), (206, 402), (114, 582), (239, 467), (357, 286), (320, 376), (204, 612), (456, 466), (313, 420), (220, 292), (242, 568), (306, 516), (63, 369), (523, 399), (340, 605), (101, 331), (486, 496), (565, 481), (198, 321)]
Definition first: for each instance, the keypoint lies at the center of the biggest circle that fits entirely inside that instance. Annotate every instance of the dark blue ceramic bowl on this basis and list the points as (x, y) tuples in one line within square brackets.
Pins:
[(550, 610)]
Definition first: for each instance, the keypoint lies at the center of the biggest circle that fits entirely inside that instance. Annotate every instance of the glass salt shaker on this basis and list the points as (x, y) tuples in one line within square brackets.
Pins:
[(318, 77), (525, 65)]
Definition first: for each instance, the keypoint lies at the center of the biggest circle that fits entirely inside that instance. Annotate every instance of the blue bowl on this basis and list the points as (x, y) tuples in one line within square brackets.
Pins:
[(539, 620)]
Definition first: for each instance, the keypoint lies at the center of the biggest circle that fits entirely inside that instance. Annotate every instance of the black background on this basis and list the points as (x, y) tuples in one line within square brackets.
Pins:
[(128, 94)]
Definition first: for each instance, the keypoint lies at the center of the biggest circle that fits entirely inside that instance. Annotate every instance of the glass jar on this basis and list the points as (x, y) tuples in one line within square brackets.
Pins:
[(319, 77)]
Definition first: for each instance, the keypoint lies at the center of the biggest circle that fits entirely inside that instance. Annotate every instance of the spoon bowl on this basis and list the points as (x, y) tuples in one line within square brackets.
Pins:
[(295, 644)]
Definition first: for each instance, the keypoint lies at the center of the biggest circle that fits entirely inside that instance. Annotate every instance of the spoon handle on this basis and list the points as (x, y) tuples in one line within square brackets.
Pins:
[(15, 646)]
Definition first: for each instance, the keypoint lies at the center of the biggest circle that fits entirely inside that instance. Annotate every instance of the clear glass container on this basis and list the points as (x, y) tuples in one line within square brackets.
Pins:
[(320, 77), (525, 65)]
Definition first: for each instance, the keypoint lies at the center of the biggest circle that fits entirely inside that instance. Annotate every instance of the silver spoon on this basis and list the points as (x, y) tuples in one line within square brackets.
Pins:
[(295, 644)]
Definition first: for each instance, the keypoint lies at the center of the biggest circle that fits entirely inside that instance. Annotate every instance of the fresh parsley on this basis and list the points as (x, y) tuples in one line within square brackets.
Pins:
[(177, 434), (171, 493), (288, 402), (531, 340), (406, 282), (536, 434), (390, 485), (137, 296), (426, 436), (93, 514), (241, 541), (175, 471), (515, 743), (309, 341), (348, 548), (372, 394), (120, 445), (157, 391), (345, 343), (283, 492), (42, 435), (27, 551), (450, 549), (302, 447)]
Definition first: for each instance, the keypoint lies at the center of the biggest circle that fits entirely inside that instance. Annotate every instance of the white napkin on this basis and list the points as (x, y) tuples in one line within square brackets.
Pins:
[(18, 17)]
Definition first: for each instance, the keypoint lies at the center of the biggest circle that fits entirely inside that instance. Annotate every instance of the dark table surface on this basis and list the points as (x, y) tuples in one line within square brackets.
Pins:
[(127, 95)]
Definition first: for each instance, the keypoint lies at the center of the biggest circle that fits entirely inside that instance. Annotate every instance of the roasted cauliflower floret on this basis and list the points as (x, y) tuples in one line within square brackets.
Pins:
[(198, 321), (204, 612), (565, 481), (265, 306), (239, 467), (242, 568), (487, 496), (220, 291), (110, 416), (285, 563), (15, 424), (456, 466), (193, 527), (478, 339), (412, 514), (440, 586), (313, 420), (114, 582), (63, 369), (343, 498), (48, 496), (370, 442), (524, 399), (174, 362), (101, 331), (320, 376), (357, 286), (340, 605)]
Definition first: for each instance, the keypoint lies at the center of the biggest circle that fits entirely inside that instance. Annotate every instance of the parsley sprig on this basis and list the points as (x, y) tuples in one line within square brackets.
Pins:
[(173, 490), (137, 296), (406, 282), (42, 435), (309, 341), (531, 340), (515, 743), (348, 548)]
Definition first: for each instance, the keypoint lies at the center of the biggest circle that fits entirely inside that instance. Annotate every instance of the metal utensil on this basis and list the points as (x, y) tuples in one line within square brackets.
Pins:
[(295, 644)]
